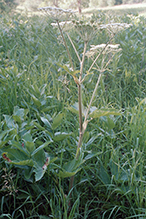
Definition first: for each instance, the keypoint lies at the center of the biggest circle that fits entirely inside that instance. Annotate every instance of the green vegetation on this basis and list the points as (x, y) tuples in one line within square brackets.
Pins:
[(66, 151)]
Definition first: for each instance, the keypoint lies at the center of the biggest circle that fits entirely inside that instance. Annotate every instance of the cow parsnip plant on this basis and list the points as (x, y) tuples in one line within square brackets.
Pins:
[(23, 151), (87, 30)]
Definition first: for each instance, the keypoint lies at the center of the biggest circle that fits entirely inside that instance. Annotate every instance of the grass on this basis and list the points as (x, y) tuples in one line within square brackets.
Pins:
[(120, 9), (36, 92)]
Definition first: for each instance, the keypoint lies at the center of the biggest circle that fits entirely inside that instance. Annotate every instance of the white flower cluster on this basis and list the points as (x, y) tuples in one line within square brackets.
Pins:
[(52, 9), (62, 24), (108, 49), (55, 12), (115, 26)]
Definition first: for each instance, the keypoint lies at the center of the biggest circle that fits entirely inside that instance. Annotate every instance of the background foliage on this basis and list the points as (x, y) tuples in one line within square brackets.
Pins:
[(6, 5)]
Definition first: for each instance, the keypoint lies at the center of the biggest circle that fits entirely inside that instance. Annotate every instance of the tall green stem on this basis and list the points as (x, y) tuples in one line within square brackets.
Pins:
[(70, 59), (80, 103), (80, 112)]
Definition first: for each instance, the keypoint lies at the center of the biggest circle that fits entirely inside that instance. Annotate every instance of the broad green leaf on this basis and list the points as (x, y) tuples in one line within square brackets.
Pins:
[(59, 136), (39, 173), (65, 174), (19, 147), (39, 158), (103, 112), (71, 168), (18, 157), (72, 165), (39, 161), (18, 114), (17, 118), (57, 120), (41, 147), (23, 163), (9, 121), (30, 146), (27, 138)]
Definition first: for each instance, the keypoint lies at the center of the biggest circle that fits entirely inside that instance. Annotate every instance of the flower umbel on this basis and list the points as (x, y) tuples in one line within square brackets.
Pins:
[(113, 28), (86, 28), (56, 13), (110, 48)]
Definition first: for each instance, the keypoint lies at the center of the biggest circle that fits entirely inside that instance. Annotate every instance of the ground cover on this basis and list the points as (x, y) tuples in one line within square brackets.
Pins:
[(39, 122)]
